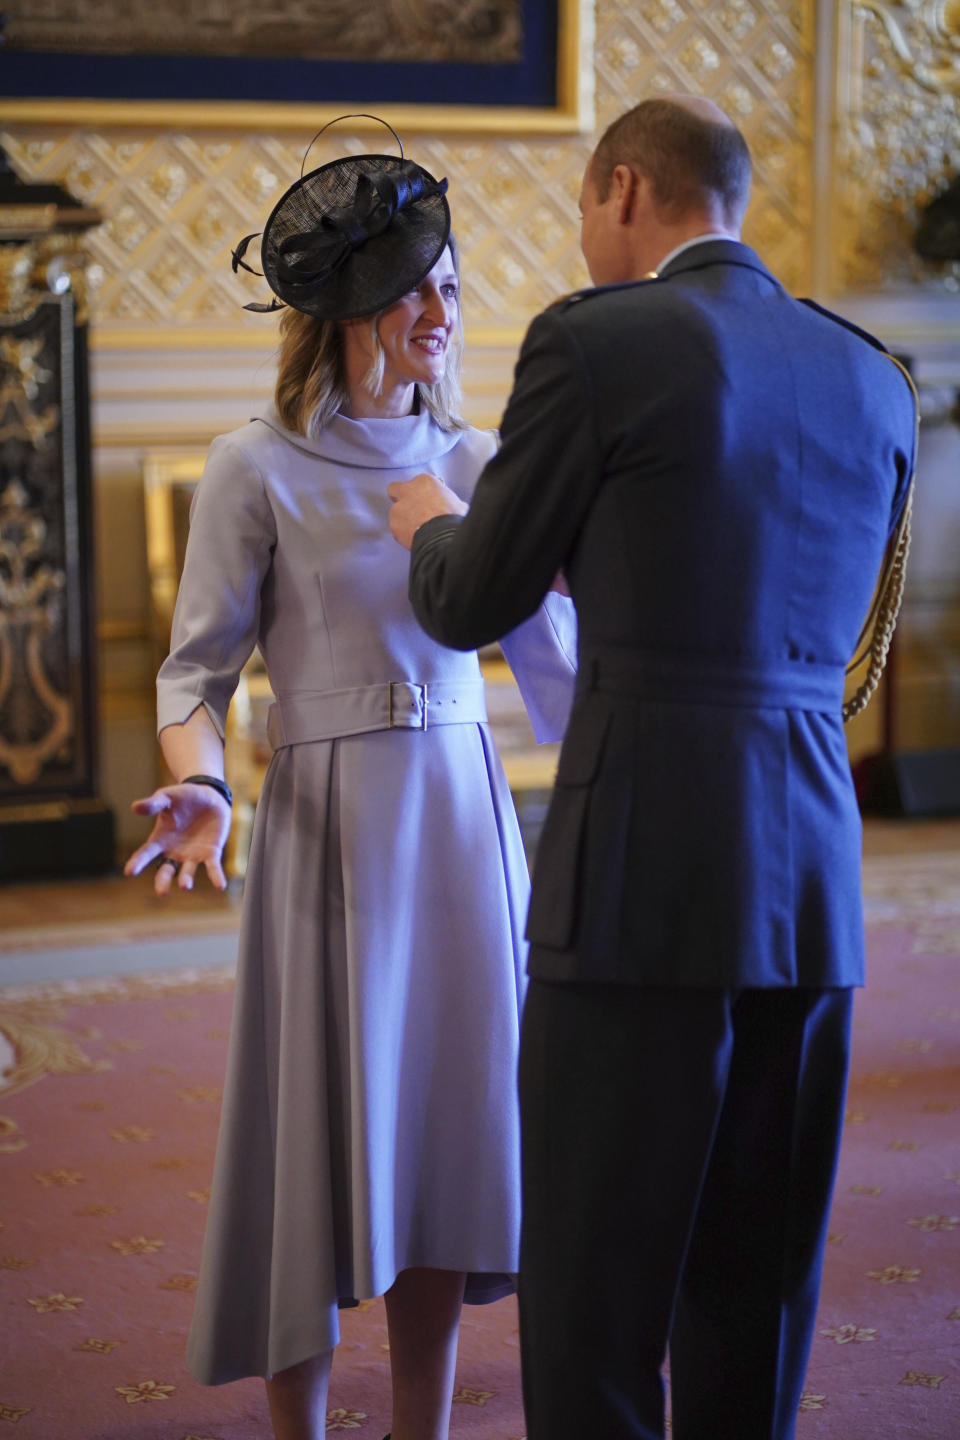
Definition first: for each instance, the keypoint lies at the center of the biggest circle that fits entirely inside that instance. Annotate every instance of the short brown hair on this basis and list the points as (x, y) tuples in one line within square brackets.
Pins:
[(688, 159)]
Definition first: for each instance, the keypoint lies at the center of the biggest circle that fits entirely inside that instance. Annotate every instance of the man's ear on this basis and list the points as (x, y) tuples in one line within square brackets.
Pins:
[(624, 184)]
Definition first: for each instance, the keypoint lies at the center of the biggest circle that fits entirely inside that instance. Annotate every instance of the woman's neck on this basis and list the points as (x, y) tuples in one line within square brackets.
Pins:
[(392, 402)]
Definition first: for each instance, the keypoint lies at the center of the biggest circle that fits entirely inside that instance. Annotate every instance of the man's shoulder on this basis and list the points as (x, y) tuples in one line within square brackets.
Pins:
[(890, 378), (595, 298), (590, 314), (842, 321)]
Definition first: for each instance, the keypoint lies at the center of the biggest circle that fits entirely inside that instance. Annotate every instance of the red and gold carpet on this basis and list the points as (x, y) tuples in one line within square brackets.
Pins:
[(109, 1093)]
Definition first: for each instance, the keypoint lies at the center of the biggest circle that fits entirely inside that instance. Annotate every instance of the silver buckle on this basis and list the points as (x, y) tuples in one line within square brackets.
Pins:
[(412, 685)]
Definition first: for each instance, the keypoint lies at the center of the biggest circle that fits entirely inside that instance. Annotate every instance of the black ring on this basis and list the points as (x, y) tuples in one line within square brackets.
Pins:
[(168, 860)]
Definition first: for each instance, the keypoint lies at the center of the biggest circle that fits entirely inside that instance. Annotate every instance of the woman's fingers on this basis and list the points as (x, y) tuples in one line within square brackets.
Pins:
[(215, 872), (142, 857), (191, 827), (166, 871), (152, 804), (169, 868)]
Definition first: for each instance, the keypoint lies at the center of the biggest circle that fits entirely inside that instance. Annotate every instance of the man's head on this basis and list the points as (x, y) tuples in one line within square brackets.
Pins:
[(667, 170)]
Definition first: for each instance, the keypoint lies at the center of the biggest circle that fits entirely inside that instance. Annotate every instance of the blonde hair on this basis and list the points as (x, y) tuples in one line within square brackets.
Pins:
[(311, 377)]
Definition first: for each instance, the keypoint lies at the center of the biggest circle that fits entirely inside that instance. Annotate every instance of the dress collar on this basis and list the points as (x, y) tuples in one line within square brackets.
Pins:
[(389, 444)]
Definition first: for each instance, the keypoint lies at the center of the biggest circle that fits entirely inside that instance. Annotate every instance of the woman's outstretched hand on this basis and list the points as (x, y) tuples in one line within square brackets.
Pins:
[(191, 829)]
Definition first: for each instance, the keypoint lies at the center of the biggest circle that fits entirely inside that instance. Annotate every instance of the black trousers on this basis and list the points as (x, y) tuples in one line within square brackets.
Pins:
[(679, 1152)]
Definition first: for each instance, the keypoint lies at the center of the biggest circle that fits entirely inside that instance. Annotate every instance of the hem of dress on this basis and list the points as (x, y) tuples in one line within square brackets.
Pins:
[(483, 1287)]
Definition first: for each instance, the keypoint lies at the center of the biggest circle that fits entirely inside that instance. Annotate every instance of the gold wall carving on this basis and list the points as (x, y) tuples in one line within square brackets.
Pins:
[(571, 110), (176, 202), (851, 129), (30, 596), (175, 357), (898, 138)]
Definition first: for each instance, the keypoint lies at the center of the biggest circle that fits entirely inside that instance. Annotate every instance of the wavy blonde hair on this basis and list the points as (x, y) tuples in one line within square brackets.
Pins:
[(311, 377)]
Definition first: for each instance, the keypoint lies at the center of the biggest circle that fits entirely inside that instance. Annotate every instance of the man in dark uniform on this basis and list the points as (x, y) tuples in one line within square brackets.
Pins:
[(716, 469)]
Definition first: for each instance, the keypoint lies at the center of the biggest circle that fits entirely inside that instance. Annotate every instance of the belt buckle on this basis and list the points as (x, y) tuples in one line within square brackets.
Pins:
[(413, 685)]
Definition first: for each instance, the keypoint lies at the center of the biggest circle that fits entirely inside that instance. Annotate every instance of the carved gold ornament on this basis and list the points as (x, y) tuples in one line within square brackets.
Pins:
[(16, 267), (937, 69), (174, 198), (20, 380), (30, 595), (898, 85)]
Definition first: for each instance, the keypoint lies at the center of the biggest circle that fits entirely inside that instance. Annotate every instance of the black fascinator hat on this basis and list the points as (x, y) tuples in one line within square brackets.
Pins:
[(353, 236)]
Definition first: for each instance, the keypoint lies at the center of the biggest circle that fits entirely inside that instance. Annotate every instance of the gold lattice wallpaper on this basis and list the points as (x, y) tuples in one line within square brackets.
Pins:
[(175, 203), (852, 111)]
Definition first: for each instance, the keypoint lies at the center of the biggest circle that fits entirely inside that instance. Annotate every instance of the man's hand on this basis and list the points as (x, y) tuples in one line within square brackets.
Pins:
[(418, 500)]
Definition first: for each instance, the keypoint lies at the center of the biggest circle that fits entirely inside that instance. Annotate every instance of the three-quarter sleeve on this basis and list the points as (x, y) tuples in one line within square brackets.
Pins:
[(217, 615), (542, 653)]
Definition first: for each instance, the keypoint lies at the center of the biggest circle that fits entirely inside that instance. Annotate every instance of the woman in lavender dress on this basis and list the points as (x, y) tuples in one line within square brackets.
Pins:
[(368, 1142)]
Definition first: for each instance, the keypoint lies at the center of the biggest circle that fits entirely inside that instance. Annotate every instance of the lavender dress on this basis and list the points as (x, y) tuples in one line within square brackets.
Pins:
[(370, 1118)]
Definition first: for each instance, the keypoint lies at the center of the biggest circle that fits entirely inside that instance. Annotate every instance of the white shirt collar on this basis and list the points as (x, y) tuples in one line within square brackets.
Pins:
[(688, 245)]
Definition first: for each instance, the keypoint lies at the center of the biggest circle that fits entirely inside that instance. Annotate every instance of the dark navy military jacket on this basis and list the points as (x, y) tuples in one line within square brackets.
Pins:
[(717, 468)]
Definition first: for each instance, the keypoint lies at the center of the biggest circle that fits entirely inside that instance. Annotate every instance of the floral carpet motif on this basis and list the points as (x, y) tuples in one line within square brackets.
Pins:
[(109, 1094)]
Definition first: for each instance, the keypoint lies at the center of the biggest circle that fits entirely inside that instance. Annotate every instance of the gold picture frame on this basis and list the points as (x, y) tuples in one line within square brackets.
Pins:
[(572, 113)]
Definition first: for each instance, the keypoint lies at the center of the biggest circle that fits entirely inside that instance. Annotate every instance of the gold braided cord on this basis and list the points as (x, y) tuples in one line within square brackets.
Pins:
[(875, 638), (887, 609)]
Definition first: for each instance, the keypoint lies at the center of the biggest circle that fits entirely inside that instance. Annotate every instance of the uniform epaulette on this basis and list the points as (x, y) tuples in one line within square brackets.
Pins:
[(847, 324), (562, 300), (577, 296)]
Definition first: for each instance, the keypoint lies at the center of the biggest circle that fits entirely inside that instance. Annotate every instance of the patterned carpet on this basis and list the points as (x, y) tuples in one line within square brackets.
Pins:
[(108, 1104)]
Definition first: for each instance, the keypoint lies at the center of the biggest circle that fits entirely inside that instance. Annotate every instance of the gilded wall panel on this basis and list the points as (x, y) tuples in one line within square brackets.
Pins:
[(898, 79), (177, 359), (418, 30), (176, 203)]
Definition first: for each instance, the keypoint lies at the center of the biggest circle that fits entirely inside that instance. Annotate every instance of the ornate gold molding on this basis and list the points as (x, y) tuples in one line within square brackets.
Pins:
[(264, 338), (573, 111), (176, 198), (936, 20), (31, 592), (898, 116)]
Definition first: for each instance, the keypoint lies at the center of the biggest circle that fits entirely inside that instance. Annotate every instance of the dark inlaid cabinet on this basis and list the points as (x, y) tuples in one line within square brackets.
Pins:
[(51, 819)]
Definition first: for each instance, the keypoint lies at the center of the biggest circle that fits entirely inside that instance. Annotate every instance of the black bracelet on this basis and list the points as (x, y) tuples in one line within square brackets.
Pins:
[(221, 786)]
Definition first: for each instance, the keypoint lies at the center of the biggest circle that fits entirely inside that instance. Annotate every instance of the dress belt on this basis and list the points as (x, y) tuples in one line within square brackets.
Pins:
[(684, 679), (307, 715)]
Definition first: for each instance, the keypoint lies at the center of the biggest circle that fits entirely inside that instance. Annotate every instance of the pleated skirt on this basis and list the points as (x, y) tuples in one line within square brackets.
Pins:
[(370, 1117)]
